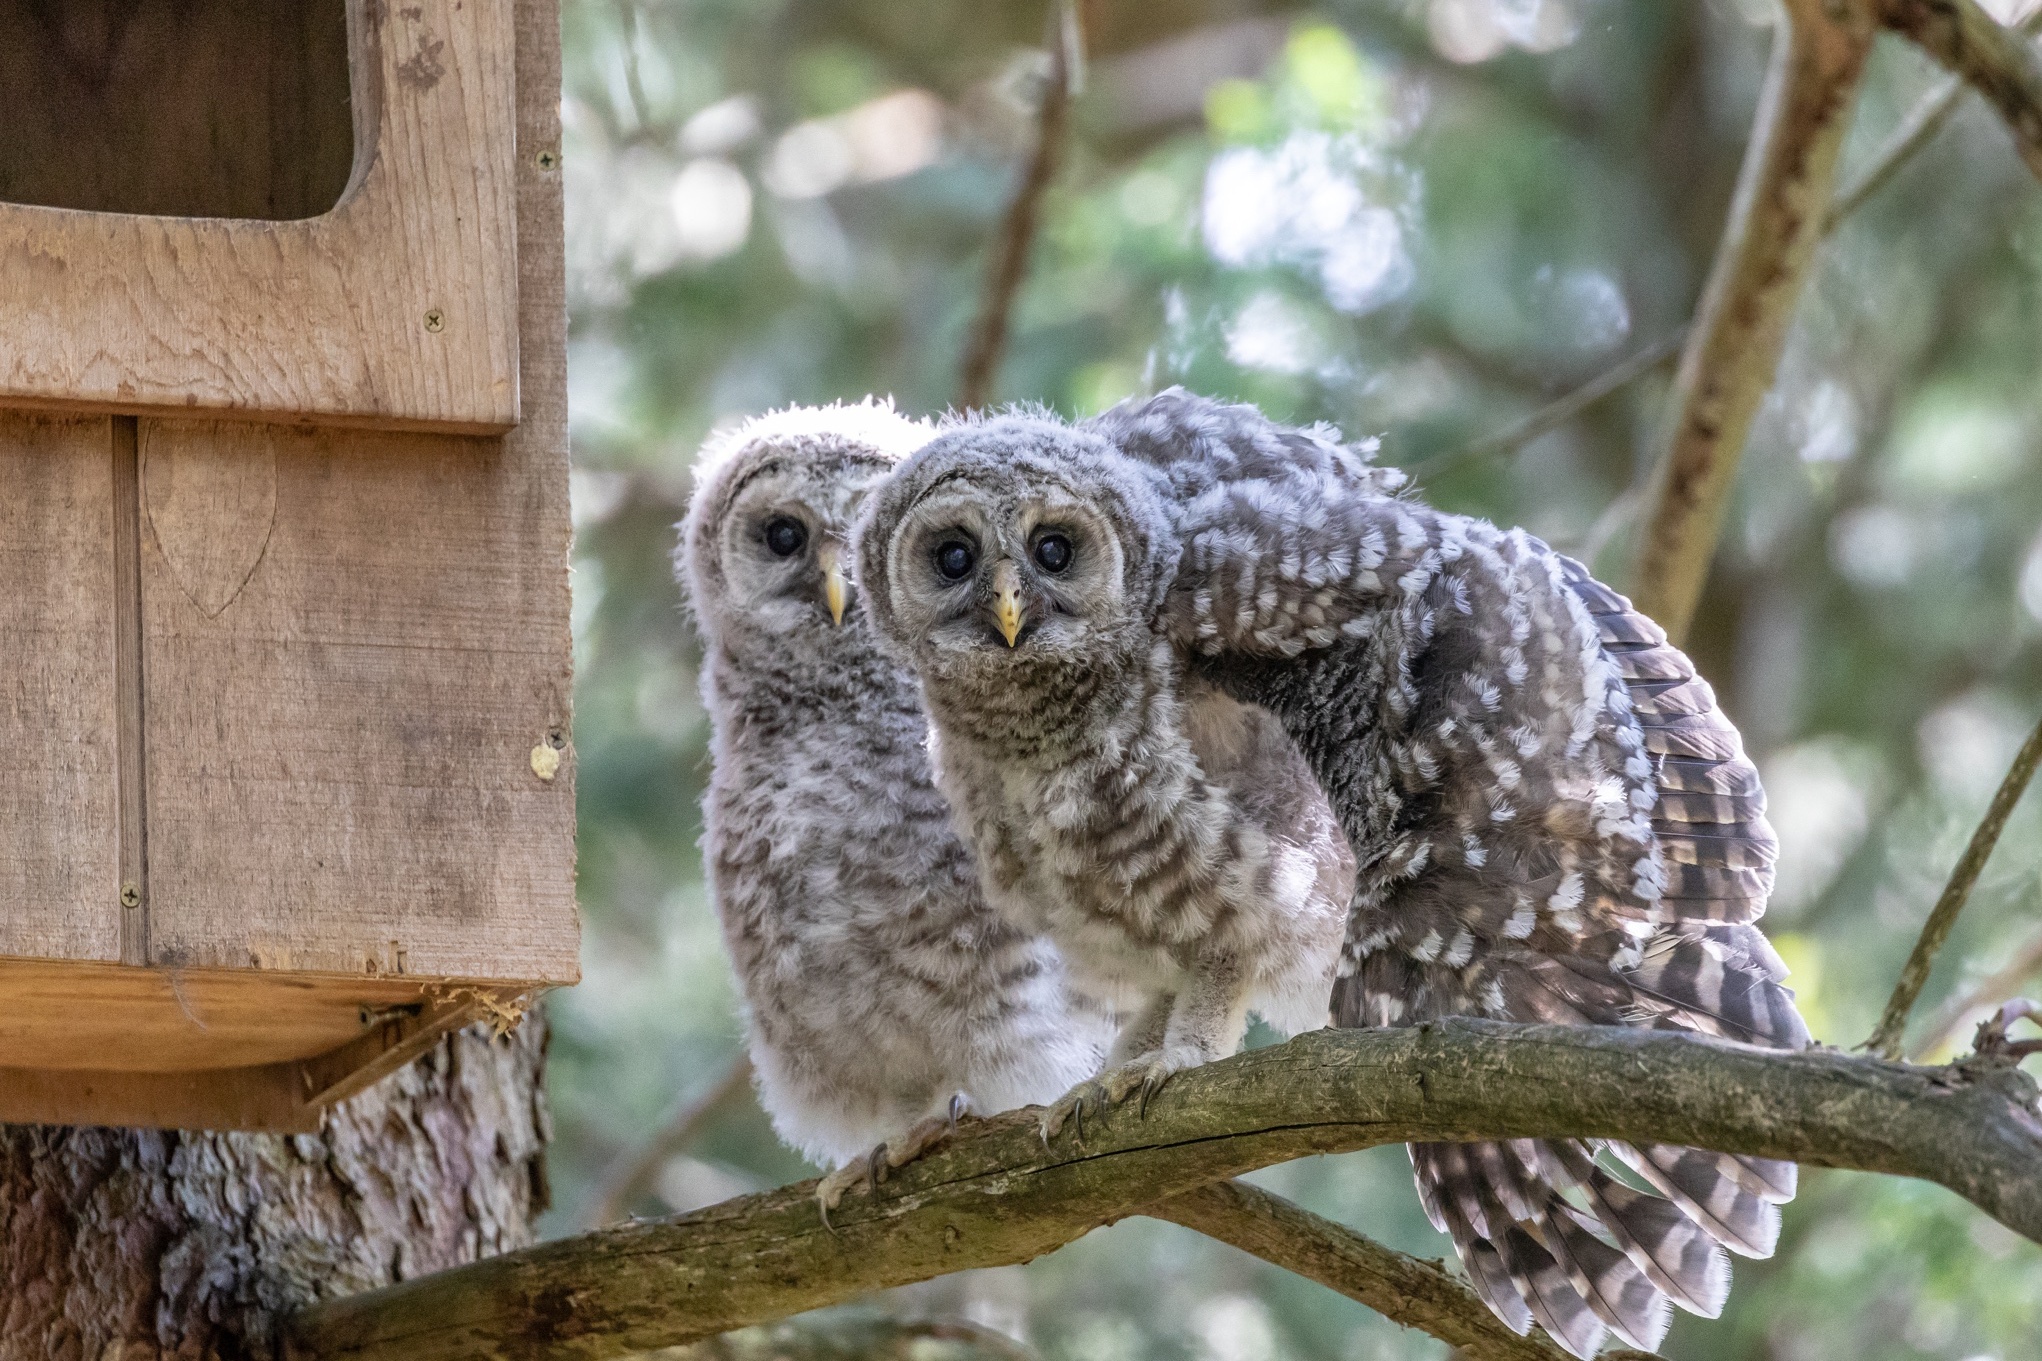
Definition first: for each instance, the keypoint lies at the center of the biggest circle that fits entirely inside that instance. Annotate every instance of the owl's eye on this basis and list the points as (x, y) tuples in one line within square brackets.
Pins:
[(954, 558), (785, 536), (1053, 552)]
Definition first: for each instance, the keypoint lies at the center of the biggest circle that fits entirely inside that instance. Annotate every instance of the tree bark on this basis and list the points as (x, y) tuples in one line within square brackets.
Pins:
[(137, 1244)]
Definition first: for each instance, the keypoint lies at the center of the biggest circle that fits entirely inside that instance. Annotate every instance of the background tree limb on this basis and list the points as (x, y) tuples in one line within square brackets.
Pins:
[(1009, 263), (1402, 1288), (1734, 346), (1995, 60), (629, 1171), (996, 1195)]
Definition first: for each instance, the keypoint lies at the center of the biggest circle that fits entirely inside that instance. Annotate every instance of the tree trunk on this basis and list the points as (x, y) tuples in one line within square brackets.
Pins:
[(137, 1244)]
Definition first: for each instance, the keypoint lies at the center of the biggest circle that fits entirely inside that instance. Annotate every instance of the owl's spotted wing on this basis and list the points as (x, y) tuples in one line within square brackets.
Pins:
[(1553, 820), (1283, 537)]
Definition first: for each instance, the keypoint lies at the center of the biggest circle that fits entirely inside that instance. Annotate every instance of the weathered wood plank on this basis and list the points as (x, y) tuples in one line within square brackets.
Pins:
[(340, 757), (258, 1098), (63, 1016), (396, 309), (59, 859), (339, 760)]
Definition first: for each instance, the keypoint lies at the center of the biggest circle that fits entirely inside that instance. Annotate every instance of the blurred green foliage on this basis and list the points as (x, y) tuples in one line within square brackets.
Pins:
[(1414, 218)]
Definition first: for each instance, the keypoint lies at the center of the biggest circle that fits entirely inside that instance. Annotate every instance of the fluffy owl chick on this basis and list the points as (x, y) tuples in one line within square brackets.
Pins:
[(883, 995), (1554, 822), (1169, 839)]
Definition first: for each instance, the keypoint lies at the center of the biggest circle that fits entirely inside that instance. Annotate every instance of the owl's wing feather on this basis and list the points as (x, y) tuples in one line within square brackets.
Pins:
[(1674, 1252), (1554, 820)]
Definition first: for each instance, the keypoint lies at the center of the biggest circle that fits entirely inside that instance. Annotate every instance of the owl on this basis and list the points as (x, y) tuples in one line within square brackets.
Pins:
[(1551, 818), (1166, 836), (884, 997)]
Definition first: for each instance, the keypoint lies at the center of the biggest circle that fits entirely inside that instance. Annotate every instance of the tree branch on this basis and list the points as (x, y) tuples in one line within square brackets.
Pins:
[(996, 1195), (1734, 346), (1009, 264), (1400, 1287), (1914, 131), (1994, 60), (1885, 1040)]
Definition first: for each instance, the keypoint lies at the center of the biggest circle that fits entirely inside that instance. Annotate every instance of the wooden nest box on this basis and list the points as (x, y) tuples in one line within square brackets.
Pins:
[(284, 651)]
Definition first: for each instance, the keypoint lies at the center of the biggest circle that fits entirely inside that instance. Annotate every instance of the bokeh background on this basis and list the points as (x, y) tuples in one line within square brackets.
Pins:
[(1422, 219)]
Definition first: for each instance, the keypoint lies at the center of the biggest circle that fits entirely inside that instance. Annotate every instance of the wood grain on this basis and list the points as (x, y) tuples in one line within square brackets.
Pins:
[(59, 862), (67, 1017), (210, 494), (252, 1099), (397, 309), (339, 763)]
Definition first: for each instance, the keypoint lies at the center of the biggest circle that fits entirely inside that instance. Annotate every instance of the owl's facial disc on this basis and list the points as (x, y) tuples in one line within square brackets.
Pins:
[(784, 548), (1031, 573)]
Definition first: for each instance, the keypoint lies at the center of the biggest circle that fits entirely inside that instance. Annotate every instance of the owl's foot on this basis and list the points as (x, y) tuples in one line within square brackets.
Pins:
[(870, 1171), (1144, 1073)]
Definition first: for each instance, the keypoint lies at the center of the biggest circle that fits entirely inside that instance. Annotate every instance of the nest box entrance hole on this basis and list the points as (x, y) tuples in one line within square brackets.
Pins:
[(177, 108)]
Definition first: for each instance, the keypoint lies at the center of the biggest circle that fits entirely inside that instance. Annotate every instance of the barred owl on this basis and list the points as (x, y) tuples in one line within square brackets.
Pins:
[(1167, 837), (883, 995), (1552, 819)]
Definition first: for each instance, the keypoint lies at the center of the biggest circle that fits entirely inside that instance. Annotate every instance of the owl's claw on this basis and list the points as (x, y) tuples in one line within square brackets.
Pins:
[(1145, 1073), (870, 1171), (1070, 1108)]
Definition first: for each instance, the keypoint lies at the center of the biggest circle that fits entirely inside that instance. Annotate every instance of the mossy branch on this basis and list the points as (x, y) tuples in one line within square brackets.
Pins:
[(996, 1195)]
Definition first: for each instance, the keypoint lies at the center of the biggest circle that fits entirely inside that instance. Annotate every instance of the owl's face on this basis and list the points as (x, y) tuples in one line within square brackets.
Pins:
[(1010, 554), (766, 542)]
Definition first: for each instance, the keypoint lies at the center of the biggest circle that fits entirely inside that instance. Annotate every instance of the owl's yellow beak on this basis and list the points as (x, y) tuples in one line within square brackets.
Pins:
[(830, 558), (1007, 599)]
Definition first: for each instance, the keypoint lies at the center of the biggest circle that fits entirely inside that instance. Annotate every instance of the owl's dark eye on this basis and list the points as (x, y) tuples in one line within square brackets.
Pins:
[(1053, 552), (954, 558), (784, 536)]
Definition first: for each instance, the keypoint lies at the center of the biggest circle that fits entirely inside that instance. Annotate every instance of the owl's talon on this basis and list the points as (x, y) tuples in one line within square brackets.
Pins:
[(1146, 1074), (1070, 1108)]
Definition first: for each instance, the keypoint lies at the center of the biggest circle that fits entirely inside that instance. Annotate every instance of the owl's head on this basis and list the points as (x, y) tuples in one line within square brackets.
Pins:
[(1013, 553), (764, 551)]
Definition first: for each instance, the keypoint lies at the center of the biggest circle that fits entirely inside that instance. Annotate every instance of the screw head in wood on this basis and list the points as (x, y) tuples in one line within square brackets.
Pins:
[(548, 159), (131, 895), (435, 321)]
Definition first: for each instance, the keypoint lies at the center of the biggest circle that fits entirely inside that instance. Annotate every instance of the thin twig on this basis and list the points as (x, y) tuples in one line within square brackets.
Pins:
[(1990, 992), (1995, 60), (1009, 262), (1885, 1041), (1402, 1288), (634, 87), (1557, 412), (634, 1166)]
